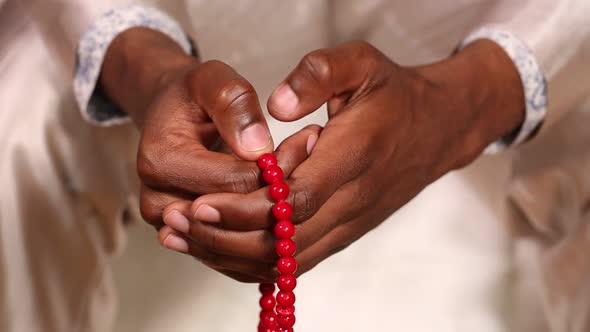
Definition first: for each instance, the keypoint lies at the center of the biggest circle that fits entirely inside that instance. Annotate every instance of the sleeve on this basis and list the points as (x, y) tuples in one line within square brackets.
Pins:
[(557, 34), (78, 32), (94, 105), (533, 83)]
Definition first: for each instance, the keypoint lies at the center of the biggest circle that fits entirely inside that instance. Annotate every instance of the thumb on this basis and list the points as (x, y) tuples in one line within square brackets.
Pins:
[(321, 75), (232, 104)]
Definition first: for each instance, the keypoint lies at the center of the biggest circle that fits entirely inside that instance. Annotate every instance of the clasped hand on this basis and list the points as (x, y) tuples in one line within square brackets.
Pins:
[(389, 135)]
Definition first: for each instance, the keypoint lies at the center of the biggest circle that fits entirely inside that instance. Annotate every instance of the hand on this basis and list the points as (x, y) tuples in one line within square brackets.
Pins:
[(200, 122), (392, 131), (221, 249)]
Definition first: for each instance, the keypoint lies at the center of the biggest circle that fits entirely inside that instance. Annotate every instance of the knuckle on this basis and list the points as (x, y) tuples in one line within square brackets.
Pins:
[(304, 204), (212, 65), (374, 61), (317, 65), (212, 241), (148, 160), (364, 46), (205, 69), (364, 49), (233, 92), (149, 209), (241, 182)]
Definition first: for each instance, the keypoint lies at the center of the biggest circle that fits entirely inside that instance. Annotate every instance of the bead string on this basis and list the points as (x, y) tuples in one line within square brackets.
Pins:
[(278, 314)]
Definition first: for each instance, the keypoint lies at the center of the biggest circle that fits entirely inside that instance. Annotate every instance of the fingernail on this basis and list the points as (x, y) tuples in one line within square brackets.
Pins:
[(176, 220), (255, 138), (175, 243), (311, 140), (207, 213), (285, 99)]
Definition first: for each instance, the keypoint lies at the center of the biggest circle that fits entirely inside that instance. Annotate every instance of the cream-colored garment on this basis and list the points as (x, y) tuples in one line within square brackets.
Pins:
[(66, 186), (550, 194)]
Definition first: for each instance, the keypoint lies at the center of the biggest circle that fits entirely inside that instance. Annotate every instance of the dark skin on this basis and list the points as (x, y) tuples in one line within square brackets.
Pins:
[(194, 119), (392, 131)]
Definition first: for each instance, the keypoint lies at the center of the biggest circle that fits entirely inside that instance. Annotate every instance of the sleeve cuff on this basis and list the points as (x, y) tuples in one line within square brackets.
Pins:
[(533, 83), (93, 103)]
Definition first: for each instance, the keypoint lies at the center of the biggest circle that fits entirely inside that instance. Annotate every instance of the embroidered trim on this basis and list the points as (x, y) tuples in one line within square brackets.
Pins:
[(94, 105), (533, 82)]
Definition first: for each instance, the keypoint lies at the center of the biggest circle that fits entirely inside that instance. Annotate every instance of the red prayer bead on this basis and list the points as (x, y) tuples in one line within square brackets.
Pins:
[(285, 247), (287, 265), (286, 322), (266, 160), (287, 282), (266, 288), (267, 302), (279, 191), (285, 311), (269, 319), (286, 298), (273, 174), (284, 229), (262, 328), (282, 211)]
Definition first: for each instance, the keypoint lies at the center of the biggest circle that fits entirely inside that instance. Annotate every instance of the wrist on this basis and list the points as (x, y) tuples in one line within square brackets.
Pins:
[(482, 93), (138, 64)]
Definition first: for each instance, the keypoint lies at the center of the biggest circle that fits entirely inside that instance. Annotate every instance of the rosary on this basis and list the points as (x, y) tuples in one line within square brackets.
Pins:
[(278, 314)]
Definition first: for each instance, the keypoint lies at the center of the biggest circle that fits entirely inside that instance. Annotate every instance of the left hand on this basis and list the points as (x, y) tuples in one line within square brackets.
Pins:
[(392, 131)]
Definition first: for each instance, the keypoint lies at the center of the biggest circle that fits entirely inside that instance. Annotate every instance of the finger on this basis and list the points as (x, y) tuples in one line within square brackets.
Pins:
[(323, 74), (253, 269), (259, 245), (295, 149), (250, 212), (233, 105), (175, 156), (241, 277), (255, 246), (175, 215), (152, 204), (176, 241), (335, 241), (196, 171), (339, 238)]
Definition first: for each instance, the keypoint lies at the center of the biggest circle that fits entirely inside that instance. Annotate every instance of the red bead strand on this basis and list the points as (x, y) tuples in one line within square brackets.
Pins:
[(279, 191), (272, 174), (278, 314), (266, 160), (267, 305), (282, 211)]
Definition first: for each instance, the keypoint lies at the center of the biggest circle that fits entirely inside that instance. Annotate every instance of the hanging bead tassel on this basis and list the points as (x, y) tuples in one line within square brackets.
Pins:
[(278, 314)]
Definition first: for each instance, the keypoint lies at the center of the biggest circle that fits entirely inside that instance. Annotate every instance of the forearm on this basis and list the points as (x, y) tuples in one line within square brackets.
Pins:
[(483, 92), (137, 63)]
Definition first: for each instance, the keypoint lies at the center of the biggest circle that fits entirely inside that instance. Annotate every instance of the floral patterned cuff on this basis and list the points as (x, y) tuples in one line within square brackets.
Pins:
[(94, 105), (533, 83)]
